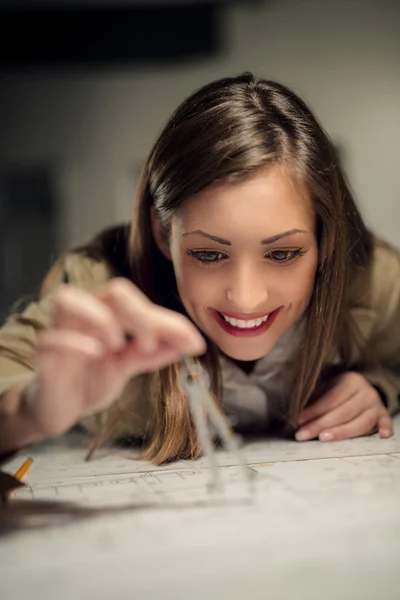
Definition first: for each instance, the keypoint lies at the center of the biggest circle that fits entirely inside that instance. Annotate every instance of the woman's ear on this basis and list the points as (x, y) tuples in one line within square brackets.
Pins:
[(159, 236)]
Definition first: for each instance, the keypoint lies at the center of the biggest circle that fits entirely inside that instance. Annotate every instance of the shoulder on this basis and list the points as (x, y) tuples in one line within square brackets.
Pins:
[(91, 265), (377, 287), (385, 276), (84, 272), (110, 246)]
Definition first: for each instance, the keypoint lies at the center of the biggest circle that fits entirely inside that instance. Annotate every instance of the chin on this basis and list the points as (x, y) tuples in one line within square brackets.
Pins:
[(245, 354)]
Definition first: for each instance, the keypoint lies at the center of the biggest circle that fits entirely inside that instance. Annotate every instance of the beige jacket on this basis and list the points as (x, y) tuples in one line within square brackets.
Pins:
[(374, 303)]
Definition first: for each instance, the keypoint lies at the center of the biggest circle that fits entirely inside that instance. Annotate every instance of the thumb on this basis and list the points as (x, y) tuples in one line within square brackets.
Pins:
[(385, 426)]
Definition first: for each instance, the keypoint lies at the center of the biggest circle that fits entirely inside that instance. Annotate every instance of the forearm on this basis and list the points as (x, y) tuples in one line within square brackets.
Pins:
[(17, 426)]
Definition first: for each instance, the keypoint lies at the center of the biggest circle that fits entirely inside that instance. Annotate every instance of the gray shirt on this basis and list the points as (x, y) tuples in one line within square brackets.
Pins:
[(255, 399)]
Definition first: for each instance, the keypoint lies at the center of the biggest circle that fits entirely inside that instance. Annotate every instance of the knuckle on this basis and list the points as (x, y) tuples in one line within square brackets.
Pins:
[(333, 400), (118, 287), (347, 411), (375, 397), (354, 377)]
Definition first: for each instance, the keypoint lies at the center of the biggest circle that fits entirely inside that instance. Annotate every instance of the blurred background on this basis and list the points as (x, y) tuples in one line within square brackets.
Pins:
[(86, 86)]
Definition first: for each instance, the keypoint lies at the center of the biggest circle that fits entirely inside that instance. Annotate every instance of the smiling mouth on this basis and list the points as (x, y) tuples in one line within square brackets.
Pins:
[(245, 324), (245, 327)]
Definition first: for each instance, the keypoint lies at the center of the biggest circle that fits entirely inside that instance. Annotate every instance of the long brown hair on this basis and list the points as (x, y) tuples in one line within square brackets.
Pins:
[(226, 131)]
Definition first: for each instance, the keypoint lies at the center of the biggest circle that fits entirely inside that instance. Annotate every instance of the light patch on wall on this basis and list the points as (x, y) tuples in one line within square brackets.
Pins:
[(125, 192)]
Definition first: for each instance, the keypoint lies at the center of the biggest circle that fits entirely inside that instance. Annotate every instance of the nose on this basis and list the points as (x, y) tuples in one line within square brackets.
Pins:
[(247, 290)]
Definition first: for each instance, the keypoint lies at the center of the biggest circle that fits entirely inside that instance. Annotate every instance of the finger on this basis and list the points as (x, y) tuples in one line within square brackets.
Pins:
[(178, 331), (385, 425), (361, 425), (344, 413), (337, 395), (76, 309), (149, 323), (56, 340), (132, 361)]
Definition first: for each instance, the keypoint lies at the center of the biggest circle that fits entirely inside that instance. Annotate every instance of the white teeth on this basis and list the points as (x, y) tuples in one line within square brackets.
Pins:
[(245, 324)]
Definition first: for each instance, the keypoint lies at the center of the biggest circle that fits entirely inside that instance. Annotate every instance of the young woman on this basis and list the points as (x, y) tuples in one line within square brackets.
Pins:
[(246, 249)]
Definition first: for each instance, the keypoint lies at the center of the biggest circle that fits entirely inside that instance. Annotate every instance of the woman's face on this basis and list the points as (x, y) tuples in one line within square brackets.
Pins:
[(245, 256)]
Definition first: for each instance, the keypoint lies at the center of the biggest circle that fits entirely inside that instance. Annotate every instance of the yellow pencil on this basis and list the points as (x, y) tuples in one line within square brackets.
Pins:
[(23, 469)]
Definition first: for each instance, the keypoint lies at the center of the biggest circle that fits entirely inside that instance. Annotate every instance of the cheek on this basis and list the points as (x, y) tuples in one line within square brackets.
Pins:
[(295, 285), (195, 285), (303, 283)]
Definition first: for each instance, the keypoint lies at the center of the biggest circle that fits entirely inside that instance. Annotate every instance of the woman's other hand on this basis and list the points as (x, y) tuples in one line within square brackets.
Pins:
[(351, 408)]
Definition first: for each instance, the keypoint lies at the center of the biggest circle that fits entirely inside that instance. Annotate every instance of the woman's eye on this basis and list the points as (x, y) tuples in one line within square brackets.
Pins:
[(206, 256), (284, 255)]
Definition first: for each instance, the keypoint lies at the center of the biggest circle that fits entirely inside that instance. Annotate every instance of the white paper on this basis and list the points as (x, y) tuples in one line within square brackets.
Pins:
[(114, 474), (324, 522)]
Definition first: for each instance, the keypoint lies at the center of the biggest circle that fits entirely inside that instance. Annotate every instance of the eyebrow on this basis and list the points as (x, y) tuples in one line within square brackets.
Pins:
[(209, 236), (279, 236), (265, 242)]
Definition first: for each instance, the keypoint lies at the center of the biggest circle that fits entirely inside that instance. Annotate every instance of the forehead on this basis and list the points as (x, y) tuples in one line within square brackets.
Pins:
[(264, 204)]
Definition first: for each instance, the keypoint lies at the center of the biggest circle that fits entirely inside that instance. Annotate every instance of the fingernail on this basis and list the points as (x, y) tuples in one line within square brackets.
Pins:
[(386, 433), (326, 436), (302, 435)]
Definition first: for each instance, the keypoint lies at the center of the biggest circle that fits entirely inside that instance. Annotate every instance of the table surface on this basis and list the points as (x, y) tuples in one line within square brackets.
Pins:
[(323, 522)]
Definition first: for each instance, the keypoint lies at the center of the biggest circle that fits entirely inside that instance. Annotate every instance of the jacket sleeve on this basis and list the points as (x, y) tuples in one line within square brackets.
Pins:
[(385, 339), (18, 333)]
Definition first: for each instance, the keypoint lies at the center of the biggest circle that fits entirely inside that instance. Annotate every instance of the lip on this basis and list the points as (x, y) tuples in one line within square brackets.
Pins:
[(252, 332)]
